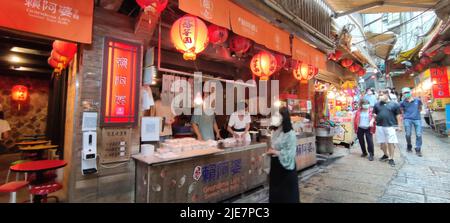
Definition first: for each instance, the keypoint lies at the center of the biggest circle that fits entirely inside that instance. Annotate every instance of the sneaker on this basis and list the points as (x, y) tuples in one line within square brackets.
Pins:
[(418, 153), (364, 155), (391, 162), (384, 158), (371, 158)]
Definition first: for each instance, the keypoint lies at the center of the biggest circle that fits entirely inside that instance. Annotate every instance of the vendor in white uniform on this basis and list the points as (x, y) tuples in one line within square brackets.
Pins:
[(239, 123)]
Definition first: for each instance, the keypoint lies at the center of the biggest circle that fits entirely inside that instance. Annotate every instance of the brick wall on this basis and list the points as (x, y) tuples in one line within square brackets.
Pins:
[(112, 183)]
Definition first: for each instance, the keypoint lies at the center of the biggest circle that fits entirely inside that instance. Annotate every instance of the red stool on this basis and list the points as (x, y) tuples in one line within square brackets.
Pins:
[(45, 189), (12, 188)]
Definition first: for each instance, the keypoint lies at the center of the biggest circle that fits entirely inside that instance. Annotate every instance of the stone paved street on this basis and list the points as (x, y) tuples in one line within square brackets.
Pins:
[(347, 178)]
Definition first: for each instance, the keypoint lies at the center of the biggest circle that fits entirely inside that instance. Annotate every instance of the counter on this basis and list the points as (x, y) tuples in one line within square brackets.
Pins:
[(210, 175)]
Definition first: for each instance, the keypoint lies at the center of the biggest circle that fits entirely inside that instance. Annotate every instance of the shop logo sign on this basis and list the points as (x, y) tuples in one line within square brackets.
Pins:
[(208, 7), (197, 173)]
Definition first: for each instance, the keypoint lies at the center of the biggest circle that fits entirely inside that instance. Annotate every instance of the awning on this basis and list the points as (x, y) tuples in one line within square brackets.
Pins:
[(409, 54), (213, 11), (382, 44), (242, 22), (377, 6), (62, 19), (304, 52)]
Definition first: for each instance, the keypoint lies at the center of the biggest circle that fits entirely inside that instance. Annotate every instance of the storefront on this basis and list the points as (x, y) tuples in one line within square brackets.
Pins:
[(119, 58), (431, 86)]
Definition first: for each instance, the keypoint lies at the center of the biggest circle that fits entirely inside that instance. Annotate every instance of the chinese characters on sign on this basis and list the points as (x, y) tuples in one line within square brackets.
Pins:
[(217, 171), (121, 72), (439, 78), (64, 19)]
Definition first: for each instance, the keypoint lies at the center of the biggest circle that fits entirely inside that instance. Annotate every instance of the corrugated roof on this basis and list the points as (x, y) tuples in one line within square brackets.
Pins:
[(388, 6)]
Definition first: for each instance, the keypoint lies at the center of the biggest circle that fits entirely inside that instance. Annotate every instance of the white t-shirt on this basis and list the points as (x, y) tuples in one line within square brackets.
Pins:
[(236, 123), (4, 127)]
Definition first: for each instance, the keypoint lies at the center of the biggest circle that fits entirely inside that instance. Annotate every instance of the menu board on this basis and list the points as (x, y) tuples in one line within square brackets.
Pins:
[(116, 145)]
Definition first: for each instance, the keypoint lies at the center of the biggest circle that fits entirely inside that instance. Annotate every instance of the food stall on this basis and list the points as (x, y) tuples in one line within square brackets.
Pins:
[(200, 171), (302, 124), (432, 87), (343, 116)]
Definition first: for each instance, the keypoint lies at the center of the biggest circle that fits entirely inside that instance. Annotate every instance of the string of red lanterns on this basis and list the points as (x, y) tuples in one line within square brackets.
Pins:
[(153, 5), (61, 55)]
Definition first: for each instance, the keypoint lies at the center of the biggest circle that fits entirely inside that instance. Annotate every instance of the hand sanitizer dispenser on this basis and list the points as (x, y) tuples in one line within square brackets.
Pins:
[(89, 151)]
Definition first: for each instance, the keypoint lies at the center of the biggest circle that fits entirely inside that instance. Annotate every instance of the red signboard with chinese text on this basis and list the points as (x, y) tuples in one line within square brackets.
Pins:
[(63, 19), (439, 78), (121, 78)]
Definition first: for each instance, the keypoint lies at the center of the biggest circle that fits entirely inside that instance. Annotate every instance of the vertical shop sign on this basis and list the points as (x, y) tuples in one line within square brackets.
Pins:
[(439, 78), (121, 78)]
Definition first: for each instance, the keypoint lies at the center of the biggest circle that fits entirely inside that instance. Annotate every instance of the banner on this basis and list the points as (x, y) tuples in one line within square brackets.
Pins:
[(121, 79), (61, 19), (439, 78), (214, 11)]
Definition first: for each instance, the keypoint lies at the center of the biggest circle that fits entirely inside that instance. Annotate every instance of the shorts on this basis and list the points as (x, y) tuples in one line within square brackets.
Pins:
[(386, 135)]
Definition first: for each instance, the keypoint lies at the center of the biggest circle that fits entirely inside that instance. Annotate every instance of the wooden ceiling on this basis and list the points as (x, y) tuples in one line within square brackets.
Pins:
[(24, 55)]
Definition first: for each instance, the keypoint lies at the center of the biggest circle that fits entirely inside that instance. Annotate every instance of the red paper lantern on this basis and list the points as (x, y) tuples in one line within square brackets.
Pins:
[(65, 48), (354, 68), (263, 65), (425, 60), (419, 67), (239, 45), (446, 50), (158, 5), (217, 34), (19, 93), (335, 56), (58, 65), (361, 72), (58, 57), (189, 35), (301, 71), (281, 61), (346, 63), (312, 71)]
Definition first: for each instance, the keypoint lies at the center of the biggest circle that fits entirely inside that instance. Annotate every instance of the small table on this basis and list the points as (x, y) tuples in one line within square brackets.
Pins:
[(39, 167), (38, 149)]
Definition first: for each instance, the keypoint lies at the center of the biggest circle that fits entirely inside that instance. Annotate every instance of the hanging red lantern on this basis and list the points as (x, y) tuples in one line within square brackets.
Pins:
[(425, 60), (281, 61), (418, 67), (65, 48), (239, 45), (158, 5), (446, 50), (58, 57), (312, 71), (301, 71), (346, 63), (217, 34), (354, 68), (55, 64), (19, 93), (189, 35), (361, 72), (335, 56), (263, 65)]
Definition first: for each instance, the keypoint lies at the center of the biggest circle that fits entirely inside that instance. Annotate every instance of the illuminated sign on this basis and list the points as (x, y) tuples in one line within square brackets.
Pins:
[(121, 78), (439, 78)]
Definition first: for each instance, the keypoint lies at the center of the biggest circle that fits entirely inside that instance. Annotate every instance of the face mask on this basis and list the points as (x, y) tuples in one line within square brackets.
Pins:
[(369, 92), (366, 106), (408, 95), (276, 120)]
